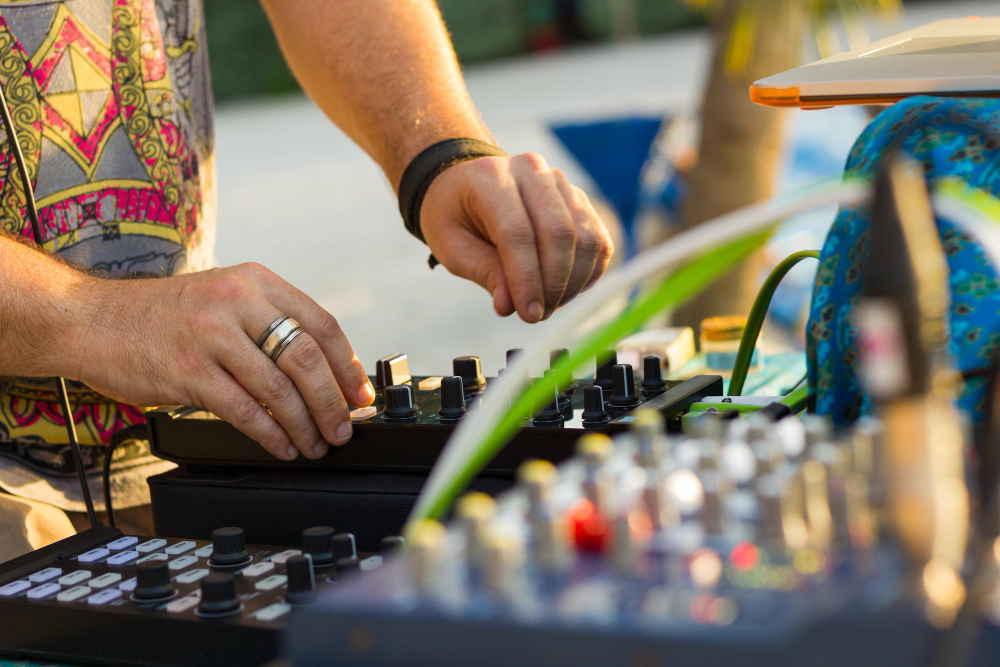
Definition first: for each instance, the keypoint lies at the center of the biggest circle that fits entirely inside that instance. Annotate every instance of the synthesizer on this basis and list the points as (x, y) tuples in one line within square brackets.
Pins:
[(413, 416)]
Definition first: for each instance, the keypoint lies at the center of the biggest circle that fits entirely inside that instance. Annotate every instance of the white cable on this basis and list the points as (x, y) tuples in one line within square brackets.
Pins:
[(985, 228), (474, 429)]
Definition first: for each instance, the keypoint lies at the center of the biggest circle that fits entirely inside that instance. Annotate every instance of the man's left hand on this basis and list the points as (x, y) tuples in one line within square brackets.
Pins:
[(519, 229)]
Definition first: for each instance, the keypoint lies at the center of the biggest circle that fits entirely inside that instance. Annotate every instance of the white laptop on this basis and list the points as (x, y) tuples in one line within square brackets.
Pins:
[(954, 57)]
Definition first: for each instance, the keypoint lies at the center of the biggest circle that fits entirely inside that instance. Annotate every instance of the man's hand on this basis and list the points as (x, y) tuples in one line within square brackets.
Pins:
[(191, 339), (519, 229)]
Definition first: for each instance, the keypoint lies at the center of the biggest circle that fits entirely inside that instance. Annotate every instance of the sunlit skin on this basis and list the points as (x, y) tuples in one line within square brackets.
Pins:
[(384, 71)]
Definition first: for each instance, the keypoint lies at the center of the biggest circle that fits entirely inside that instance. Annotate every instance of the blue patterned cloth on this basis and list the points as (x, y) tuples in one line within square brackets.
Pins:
[(952, 138)]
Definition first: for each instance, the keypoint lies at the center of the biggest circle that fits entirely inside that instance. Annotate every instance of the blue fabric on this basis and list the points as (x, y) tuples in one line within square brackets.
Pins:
[(952, 138)]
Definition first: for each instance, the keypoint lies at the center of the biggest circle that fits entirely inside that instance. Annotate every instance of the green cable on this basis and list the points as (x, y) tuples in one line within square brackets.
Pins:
[(796, 399), (681, 285), (755, 320)]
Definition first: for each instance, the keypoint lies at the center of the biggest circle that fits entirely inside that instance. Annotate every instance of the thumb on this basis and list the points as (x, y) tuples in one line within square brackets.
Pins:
[(476, 260)]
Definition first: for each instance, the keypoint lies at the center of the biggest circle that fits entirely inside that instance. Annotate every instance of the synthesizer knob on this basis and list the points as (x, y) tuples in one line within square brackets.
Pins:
[(393, 544), (649, 431), (394, 369), (711, 515), (343, 546), (301, 584), (152, 581), (594, 413), (399, 403), (474, 513), (554, 357), (536, 477), (623, 391), (513, 354), (652, 377), (228, 547), (218, 594), (470, 369), (426, 555), (603, 378), (318, 543), (552, 414), (452, 398), (347, 566)]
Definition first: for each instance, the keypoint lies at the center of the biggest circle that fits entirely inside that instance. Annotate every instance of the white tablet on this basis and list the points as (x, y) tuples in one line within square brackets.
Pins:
[(954, 57)]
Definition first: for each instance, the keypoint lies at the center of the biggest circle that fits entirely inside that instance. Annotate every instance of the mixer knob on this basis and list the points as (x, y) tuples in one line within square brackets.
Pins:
[(343, 546), (218, 594), (470, 369), (452, 398), (652, 377), (399, 403), (594, 413), (228, 547), (153, 581), (623, 382), (711, 515), (391, 545), (318, 543), (513, 354), (606, 360), (347, 566), (394, 369), (301, 584), (554, 357), (552, 414)]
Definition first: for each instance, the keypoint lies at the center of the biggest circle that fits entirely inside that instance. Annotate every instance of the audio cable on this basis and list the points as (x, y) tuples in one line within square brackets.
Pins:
[(36, 229)]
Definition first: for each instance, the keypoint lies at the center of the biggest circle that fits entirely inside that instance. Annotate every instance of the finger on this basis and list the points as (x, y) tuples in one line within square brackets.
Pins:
[(225, 398), (607, 250), (554, 227), (588, 239), (326, 331), (260, 376), (474, 259)]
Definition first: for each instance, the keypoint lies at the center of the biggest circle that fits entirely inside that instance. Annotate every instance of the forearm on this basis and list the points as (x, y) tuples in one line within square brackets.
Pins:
[(382, 70), (43, 310)]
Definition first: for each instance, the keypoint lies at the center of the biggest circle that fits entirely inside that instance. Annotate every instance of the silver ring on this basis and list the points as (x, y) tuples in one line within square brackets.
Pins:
[(270, 330), (279, 336)]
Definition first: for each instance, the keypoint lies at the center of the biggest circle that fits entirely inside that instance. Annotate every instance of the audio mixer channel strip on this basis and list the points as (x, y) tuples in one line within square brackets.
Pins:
[(413, 416)]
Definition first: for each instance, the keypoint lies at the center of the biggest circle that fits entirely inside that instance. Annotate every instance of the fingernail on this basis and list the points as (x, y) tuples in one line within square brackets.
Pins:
[(292, 453), (344, 433), (535, 311), (321, 448), (365, 396)]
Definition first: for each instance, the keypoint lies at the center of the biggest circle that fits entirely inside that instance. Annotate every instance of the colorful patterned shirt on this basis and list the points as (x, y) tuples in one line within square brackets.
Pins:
[(112, 103)]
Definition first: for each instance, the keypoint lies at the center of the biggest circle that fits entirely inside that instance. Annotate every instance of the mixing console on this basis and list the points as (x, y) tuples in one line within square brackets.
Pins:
[(764, 544), (413, 417), (155, 601)]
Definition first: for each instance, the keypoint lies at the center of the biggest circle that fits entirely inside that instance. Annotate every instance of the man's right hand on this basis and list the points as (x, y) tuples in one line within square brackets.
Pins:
[(191, 340)]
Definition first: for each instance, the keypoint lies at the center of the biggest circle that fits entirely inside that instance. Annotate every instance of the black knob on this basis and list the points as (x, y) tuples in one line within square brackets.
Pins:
[(554, 357), (301, 584), (652, 376), (452, 398), (513, 354), (623, 392), (228, 547), (593, 406), (218, 594), (470, 369), (346, 566), (552, 414), (152, 581), (343, 546), (394, 369), (606, 360), (391, 545), (318, 543), (399, 402)]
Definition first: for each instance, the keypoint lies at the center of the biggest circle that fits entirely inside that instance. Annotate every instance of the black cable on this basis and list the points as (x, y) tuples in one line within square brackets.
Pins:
[(36, 228), (128, 433)]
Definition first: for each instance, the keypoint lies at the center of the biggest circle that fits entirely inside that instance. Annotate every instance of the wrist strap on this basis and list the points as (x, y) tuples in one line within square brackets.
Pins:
[(424, 168)]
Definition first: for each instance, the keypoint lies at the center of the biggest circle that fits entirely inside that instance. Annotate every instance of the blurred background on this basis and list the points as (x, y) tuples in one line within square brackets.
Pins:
[(643, 103)]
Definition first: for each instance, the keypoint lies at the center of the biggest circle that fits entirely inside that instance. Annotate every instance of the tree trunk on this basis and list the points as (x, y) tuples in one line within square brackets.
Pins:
[(740, 146)]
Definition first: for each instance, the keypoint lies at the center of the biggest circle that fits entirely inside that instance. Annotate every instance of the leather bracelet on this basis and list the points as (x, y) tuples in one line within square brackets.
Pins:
[(427, 166)]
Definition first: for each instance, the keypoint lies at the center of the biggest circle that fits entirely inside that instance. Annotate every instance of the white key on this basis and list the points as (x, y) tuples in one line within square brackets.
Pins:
[(182, 562), (14, 587), (270, 583), (73, 578), (204, 552), (192, 576), (122, 543), (152, 557), (44, 575), (39, 592), (104, 580), (150, 545), (74, 593), (93, 555), (284, 555), (179, 548), (123, 557), (104, 596), (128, 585), (272, 611), (182, 604), (257, 569)]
